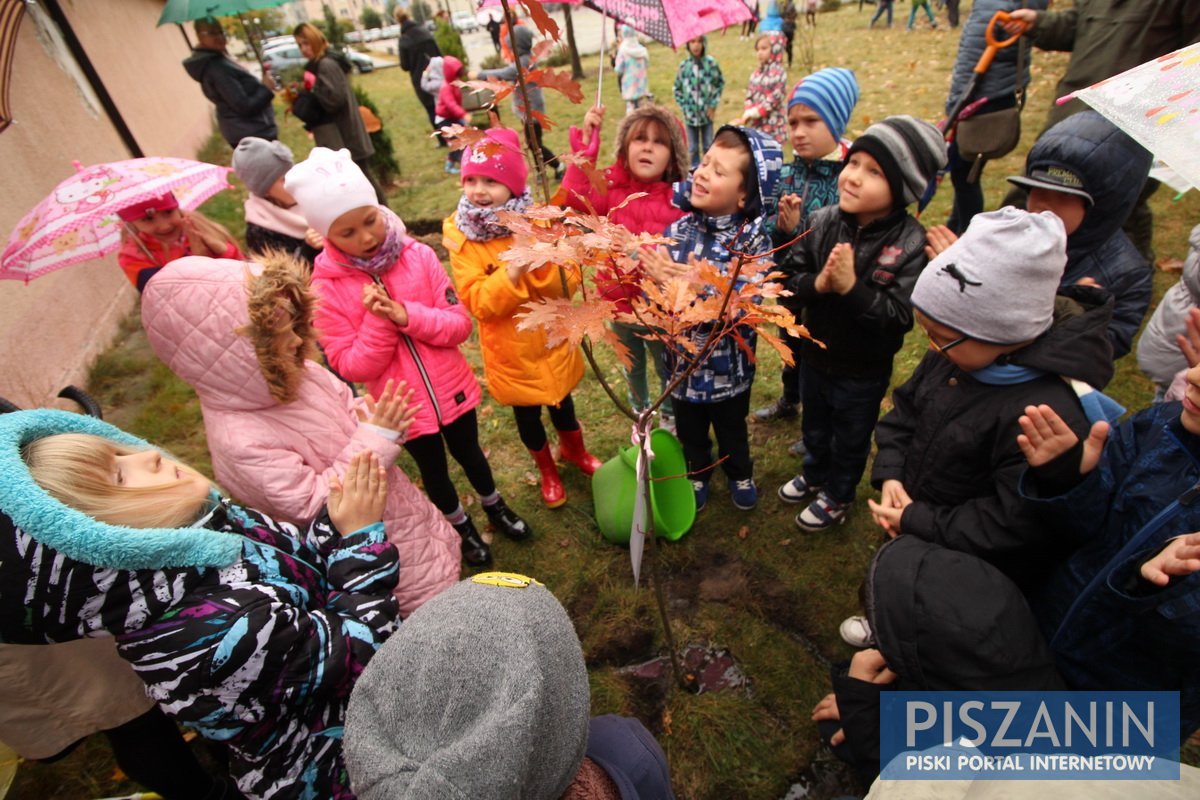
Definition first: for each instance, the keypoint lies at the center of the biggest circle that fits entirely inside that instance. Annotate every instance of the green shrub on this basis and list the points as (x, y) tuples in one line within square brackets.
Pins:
[(494, 61), (384, 161), (560, 56), (449, 42)]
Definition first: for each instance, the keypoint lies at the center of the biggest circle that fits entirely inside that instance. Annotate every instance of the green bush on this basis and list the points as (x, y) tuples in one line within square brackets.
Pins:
[(560, 56), (494, 61), (449, 42), (384, 161)]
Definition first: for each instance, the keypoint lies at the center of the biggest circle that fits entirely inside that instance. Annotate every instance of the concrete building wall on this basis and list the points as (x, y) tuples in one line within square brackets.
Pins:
[(51, 329)]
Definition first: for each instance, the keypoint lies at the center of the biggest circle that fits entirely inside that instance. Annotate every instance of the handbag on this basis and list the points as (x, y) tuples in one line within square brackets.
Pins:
[(991, 135), (309, 110)]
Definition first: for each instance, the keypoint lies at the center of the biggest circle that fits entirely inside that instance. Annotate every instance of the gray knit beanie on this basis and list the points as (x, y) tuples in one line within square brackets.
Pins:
[(910, 152), (997, 283), (482, 692), (259, 163)]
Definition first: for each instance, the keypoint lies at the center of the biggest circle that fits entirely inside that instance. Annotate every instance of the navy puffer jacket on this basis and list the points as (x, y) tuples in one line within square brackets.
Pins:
[(1001, 79), (1113, 168)]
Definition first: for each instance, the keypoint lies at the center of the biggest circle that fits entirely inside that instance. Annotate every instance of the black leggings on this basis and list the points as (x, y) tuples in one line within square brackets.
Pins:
[(529, 422), (462, 439), (152, 752)]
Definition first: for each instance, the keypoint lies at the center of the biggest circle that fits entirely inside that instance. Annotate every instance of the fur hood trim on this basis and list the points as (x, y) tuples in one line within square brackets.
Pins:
[(76, 535), (674, 127)]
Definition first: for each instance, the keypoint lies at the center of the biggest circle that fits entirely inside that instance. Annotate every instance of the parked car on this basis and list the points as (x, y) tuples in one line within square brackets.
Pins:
[(283, 55), (464, 21)]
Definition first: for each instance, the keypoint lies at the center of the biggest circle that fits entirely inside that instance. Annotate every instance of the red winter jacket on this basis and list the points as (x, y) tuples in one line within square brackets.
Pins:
[(449, 100)]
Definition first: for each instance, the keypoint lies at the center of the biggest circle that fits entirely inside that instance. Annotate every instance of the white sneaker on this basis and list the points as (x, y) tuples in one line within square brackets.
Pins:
[(856, 632)]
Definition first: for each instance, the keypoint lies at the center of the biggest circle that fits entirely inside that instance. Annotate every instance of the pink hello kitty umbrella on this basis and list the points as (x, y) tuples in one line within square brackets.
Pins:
[(78, 220)]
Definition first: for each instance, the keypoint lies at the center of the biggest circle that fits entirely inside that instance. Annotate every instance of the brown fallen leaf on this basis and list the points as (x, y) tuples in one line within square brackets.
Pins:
[(743, 531), (1169, 264), (785, 542), (532, 479), (564, 542), (666, 722)]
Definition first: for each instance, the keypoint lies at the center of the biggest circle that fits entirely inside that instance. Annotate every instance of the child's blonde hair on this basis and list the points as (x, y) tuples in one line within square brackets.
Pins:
[(203, 231), (280, 301), (77, 469)]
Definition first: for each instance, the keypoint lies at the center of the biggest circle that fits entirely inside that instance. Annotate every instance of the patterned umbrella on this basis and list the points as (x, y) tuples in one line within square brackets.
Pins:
[(674, 22), (185, 10), (1158, 104), (78, 220)]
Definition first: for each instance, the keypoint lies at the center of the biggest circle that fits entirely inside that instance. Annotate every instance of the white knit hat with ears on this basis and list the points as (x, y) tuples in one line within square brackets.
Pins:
[(997, 283), (326, 185)]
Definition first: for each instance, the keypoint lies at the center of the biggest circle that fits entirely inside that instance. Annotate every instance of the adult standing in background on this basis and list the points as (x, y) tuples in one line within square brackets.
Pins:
[(1106, 37), (325, 77), (417, 46), (243, 102), (493, 29)]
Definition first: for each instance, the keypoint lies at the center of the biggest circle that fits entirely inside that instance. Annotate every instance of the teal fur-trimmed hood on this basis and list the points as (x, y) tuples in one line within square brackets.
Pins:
[(75, 534)]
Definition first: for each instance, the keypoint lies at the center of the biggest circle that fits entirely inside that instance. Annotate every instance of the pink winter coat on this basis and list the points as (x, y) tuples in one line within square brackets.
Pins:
[(424, 353), (449, 99), (278, 457)]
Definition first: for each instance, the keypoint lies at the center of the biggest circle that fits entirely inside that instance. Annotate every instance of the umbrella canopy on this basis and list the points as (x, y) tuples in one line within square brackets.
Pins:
[(674, 22), (1158, 104), (78, 220), (185, 10)]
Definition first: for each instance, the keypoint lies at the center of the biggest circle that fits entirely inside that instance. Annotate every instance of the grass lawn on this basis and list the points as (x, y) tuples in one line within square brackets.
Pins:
[(751, 583)]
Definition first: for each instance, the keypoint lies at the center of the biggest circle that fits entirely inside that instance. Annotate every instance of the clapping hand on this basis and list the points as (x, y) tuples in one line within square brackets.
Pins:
[(837, 276), (1180, 557), (376, 300), (888, 512), (937, 239), (393, 411), (356, 500), (1044, 437), (789, 213), (659, 265)]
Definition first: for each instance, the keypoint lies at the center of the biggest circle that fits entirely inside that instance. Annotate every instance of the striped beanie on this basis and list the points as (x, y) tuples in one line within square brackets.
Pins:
[(909, 150), (832, 93)]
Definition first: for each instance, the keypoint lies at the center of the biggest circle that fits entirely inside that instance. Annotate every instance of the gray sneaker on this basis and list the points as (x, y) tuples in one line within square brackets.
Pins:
[(780, 409)]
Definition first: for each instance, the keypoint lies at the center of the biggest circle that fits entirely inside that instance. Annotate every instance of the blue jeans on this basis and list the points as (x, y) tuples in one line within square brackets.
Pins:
[(912, 15), (640, 351), (837, 421), (699, 140)]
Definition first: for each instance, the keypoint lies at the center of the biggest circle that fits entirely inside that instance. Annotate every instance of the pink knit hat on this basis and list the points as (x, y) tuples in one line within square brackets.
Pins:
[(500, 159)]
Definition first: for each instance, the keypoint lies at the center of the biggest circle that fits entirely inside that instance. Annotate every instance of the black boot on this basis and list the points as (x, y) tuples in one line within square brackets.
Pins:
[(474, 550), (505, 520)]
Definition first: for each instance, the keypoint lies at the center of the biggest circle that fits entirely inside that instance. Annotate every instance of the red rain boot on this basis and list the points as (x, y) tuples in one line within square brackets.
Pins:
[(571, 448), (553, 494)]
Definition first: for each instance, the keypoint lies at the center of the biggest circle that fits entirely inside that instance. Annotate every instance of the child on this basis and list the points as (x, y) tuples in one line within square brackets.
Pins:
[(917, 5), (518, 688), (818, 111), (157, 231), (1000, 339), (1110, 616), (651, 156), (242, 628), (881, 6), (698, 87), (1090, 173), (728, 196), (632, 64), (522, 370), (387, 311), (854, 272), (272, 219), (1158, 350), (449, 108), (277, 423), (766, 91), (537, 101)]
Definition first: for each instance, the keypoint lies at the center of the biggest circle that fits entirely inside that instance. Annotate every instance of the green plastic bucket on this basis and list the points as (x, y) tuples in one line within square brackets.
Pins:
[(672, 499)]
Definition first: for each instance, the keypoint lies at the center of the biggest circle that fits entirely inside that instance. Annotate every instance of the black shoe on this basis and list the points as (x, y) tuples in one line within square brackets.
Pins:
[(505, 520), (474, 550), (780, 409)]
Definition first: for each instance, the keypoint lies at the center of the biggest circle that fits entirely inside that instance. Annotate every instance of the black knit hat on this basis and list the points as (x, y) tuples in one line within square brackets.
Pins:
[(910, 152)]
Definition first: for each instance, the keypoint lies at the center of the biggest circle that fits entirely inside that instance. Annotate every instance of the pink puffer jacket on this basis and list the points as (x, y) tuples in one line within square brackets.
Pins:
[(424, 353), (278, 457)]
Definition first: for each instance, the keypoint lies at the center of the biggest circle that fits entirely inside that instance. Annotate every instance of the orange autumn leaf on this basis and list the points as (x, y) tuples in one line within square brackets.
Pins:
[(540, 18), (566, 321), (502, 89), (558, 80), (542, 118), (541, 50), (459, 137)]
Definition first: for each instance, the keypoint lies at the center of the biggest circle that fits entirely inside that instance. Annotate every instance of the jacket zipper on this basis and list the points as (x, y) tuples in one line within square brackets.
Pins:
[(412, 350)]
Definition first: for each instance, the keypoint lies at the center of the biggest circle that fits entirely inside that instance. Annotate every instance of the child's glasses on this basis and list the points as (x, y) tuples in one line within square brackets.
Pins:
[(942, 349)]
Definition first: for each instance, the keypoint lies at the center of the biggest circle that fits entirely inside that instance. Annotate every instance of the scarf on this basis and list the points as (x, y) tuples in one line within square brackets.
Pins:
[(265, 214), (479, 224), (394, 241), (1005, 374)]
